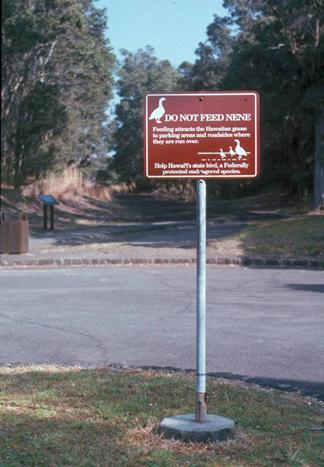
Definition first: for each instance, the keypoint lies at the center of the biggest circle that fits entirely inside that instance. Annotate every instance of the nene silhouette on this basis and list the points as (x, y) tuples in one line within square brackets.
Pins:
[(158, 113), (239, 150)]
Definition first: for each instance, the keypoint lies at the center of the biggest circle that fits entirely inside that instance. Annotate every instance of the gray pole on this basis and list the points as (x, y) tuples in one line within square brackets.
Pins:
[(201, 403), (202, 426)]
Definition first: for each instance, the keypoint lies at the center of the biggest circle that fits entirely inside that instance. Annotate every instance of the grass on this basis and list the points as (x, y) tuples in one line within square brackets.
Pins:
[(298, 237), (67, 416), (66, 185)]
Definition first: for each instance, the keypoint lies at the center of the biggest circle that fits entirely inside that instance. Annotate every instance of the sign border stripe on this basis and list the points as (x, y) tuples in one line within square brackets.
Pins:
[(209, 93)]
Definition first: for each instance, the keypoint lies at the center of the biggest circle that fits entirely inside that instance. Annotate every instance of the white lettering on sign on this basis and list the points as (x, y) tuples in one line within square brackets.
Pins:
[(212, 117), (188, 135), (171, 118), (238, 117), (188, 117), (208, 117)]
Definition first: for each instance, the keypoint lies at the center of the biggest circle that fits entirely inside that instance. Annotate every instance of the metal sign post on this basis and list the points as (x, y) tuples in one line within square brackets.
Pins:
[(201, 135), (201, 402)]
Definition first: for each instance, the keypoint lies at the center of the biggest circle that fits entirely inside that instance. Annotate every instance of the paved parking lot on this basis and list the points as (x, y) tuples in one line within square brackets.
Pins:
[(261, 322)]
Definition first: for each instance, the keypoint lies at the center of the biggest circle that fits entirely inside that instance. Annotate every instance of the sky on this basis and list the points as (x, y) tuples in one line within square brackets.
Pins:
[(173, 28)]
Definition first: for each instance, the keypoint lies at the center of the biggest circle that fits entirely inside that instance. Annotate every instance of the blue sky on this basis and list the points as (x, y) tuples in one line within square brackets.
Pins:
[(173, 27)]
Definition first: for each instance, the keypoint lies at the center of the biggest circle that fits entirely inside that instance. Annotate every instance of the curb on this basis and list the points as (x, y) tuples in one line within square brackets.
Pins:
[(305, 388), (315, 390), (238, 261)]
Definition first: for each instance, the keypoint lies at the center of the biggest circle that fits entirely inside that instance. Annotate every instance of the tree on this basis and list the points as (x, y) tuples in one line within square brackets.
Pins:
[(56, 84), (83, 67), (40, 113), (139, 73), (276, 48), (213, 57), (26, 49)]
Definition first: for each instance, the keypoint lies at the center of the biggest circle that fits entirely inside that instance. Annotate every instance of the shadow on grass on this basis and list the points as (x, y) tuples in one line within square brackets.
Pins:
[(139, 213), (167, 235), (144, 208), (105, 417), (36, 440), (307, 388), (297, 237), (152, 221)]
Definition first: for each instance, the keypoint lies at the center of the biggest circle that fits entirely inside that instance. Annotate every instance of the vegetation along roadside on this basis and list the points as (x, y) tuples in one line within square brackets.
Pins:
[(54, 415)]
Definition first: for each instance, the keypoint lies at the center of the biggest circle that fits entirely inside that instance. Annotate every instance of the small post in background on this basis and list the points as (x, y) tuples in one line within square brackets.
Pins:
[(45, 216)]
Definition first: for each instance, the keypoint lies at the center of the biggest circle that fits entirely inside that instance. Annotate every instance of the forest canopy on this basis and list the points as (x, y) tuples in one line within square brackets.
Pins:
[(57, 78), (58, 73)]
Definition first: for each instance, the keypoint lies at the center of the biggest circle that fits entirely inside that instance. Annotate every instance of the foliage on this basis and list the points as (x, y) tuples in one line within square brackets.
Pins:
[(56, 83), (276, 48), (57, 78), (213, 56), (140, 73)]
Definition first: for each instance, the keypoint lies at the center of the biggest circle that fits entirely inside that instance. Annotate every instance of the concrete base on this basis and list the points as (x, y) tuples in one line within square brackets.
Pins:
[(185, 428)]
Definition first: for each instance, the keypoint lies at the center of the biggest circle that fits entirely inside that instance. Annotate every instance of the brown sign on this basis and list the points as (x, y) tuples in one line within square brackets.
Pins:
[(202, 135)]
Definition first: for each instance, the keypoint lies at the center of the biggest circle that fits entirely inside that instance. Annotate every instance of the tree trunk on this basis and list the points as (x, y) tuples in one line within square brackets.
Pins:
[(318, 192)]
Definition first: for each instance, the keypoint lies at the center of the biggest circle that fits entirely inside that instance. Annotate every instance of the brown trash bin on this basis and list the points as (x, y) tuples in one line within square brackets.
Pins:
[(14, 235)]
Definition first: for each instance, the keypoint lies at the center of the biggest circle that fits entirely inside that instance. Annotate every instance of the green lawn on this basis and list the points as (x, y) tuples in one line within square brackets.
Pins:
[(53, 416), (297, 237)]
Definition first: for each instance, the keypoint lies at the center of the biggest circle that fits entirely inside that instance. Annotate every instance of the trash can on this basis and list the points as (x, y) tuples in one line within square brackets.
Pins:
[(14, 234)]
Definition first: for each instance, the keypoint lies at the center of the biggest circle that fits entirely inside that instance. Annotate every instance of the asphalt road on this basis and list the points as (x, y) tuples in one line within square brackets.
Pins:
[(262, 323)]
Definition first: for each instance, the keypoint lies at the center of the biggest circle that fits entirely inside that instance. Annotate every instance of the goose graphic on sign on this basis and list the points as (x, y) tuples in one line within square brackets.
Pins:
[(231, 151), (239, 150), (158, 113), (222, 154)]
